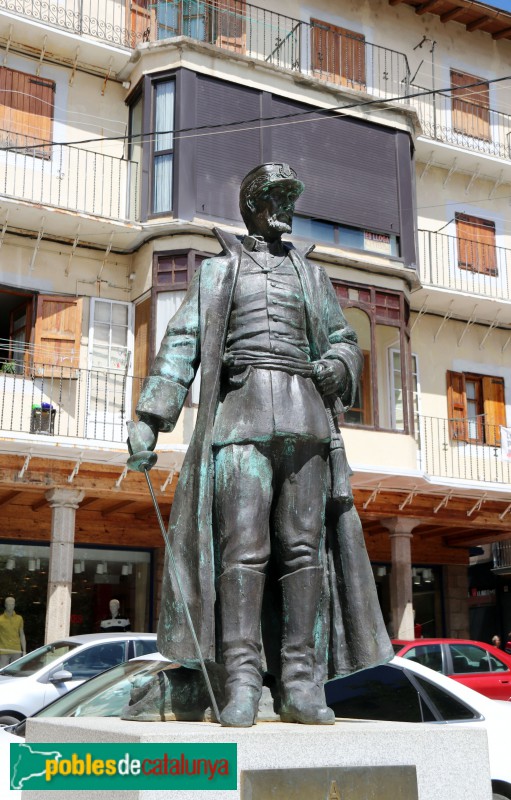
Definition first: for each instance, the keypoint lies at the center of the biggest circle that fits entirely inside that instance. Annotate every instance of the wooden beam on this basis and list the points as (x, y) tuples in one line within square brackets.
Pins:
[(395, 2), (425, 7), (8, 497), (454, 13), (478, 23), (116, 507), (39, 503), (503, 34)]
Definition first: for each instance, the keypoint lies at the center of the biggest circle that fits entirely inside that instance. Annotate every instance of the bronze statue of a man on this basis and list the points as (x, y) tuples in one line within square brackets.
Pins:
[(263, 529)]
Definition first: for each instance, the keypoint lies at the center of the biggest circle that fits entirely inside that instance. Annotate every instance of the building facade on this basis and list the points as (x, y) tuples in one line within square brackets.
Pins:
[(125, 131)]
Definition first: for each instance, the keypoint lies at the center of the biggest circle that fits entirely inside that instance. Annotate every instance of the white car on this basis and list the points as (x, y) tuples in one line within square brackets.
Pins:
[(401, 691), (44, 674)]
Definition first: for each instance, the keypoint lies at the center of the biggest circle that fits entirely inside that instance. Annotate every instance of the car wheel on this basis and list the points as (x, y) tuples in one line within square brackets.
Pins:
[(6, 719)]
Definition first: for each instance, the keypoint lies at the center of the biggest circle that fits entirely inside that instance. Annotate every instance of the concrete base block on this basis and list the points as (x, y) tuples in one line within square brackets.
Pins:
[(451, 761)]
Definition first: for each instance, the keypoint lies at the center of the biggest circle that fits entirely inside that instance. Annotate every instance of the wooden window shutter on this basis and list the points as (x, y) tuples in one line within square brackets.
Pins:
[(26, 110), (229, 23), (338, 54), (457, 406), (476, 244), (326, 50), (353, 68), (57, 334), (494, 409), (470, 107), (141, 349)]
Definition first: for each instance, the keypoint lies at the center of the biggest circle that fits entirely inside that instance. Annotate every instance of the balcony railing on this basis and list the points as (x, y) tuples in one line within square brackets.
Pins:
[(463, 265), (48, 400), (68, 177), (471, 460), (235, 26), (502, 556), (458, 121)]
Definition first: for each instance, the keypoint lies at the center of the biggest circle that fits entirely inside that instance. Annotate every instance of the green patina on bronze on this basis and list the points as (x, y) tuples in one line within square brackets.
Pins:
[(268, 544)]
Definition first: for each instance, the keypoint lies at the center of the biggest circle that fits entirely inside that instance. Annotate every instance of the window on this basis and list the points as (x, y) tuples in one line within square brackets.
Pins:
[(172, 273), (26, 111), (468, 658), (320, 230), (96, 659), (470, 106), (384, 693), (361, 411), (163, 148), (397, 407), (338, 54), (110, 369), (448, 706), (429, 655), (380, 320), (476, 244), (476, 407)]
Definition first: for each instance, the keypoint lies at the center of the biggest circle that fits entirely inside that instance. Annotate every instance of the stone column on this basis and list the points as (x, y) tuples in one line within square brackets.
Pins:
[(400, 529), (64, 503)]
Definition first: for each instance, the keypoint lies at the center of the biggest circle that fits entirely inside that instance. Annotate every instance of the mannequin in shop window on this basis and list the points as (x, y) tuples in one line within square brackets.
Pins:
[(116, 621), (13, 644)]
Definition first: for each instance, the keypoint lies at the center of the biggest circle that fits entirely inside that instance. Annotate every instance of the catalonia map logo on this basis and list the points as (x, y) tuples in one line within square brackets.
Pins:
[(123, 766)]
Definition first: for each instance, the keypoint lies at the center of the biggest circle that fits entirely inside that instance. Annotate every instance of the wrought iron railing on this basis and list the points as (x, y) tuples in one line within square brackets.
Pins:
[(66, 176), (263, 34), (464, 265), (501, 555), (455, 120), (476, 456), (49, 400)]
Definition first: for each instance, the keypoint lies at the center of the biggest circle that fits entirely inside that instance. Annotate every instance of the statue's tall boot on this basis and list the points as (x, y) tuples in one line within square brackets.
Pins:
[(303, 697), (241, 595)]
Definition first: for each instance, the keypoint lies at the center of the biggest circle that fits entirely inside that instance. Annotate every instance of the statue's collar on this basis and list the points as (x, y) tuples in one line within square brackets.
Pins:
[(257, 244)]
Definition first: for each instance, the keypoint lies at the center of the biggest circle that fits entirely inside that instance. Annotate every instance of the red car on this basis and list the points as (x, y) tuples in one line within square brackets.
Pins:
[(476, 664)]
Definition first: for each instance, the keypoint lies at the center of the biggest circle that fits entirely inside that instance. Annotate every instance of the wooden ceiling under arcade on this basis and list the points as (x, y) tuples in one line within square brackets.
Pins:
[(119, 512), (474, 15)]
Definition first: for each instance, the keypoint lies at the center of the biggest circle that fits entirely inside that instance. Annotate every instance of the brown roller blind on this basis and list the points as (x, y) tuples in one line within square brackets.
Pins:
[(457, 406), (470, 107), (26, 110), (476, 244), (494, 409)]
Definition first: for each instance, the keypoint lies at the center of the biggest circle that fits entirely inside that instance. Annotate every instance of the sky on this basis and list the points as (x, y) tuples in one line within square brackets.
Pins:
[(504, 4)]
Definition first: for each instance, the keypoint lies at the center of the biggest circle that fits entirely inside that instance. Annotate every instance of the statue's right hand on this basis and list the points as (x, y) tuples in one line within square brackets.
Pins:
[(142, 438)]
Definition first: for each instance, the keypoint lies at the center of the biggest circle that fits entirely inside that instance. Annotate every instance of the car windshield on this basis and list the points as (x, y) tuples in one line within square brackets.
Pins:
[(37, 659), (106, 694)]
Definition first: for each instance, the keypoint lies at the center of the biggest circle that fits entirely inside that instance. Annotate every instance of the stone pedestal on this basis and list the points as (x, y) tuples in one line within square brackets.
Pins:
[(450, 761)]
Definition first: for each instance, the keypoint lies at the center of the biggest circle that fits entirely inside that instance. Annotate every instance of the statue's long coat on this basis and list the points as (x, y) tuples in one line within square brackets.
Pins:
[(351, 627)]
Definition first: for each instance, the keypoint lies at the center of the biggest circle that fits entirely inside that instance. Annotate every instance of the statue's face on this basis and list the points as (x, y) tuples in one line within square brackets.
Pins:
[(273, 212)]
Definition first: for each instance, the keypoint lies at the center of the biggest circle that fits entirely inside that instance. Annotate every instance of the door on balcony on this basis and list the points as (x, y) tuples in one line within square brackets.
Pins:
[(141, 21), (228, 25), (109, 381), (470, 106), (338, 54), (476, 244)]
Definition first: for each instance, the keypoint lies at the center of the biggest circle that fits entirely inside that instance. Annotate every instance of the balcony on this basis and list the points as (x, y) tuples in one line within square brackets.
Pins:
[(445, 265), (43, 401), (502, 558), (319, 51), (460, 122), (68, 177), (444, 457)]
